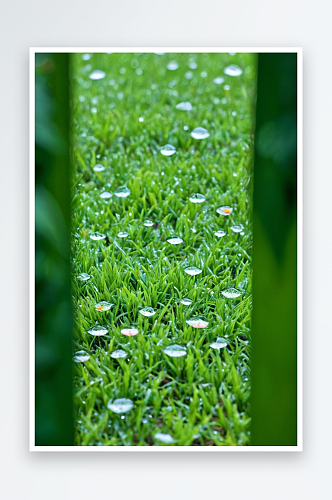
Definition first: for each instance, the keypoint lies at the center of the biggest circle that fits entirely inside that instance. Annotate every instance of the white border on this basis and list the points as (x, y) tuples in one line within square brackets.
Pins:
[(212, 449)]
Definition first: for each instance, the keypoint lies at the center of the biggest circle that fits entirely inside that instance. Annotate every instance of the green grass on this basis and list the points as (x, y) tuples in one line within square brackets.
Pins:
[(201, 399)]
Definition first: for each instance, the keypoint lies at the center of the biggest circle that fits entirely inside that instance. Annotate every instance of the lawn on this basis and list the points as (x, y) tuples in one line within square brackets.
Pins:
[(136, 232)]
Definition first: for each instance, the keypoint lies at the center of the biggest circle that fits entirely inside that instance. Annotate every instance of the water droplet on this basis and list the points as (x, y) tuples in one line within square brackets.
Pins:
[(231, 293), (184, 106), (168, 150), (175, 241), (97, 74), (197, 322), (227, 87), (159, 53), (189, 75), (234, 174), (197, 198), (232, 53), (141, 119), (185, 127), (164, 438), (98, 331), (192, 270), (233, 70), (103, 306), (148, 223), (200, 133), (172, 65), (147, 311), (224, 210), (86, 57), (175, 351), (186, 302), (119, 353), (105, 195), (220, 233), (219, 343), (204, 74), (123, 234), (129, 332), (83, 277), (122, 192), (99, 167), (237, 229), (121, 405), (81, 356), (219, 80), (97, 236)]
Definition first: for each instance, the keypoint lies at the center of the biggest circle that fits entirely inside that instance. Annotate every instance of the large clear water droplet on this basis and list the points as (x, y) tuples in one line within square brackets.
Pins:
[(237, 229), (197, 198), (97, 236), (224, 210), (99, 167), (81, 356), (192, 270), (186, 302), (172, 65), (129, 332), (105, 195), (220, 233), (119, 353), (231, 293), (83, 277), (103, 306), (97, 331), (121, 405), (123, 234), (148, 311), (175, 351), (233, 70), (97, 74), (197, 322), (219, 80), (219, 343), (175, 241), (184, 106), (164, 438), (122, 192), (200, 133), (168, 150), (148, 223)]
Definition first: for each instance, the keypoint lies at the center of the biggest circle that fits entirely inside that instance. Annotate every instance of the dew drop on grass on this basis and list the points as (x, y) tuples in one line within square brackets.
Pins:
[(141, 119), (175, 241), (186, 302), (129, 332), (97, 74), (123, 234), (197, 198), (237, 229), (83, 277), (105, 195), (184, 106), (200, 133), (219, 343), (175, 351), (224, 210), (86, 57), (119, 353), (99, 167), (97, 331), (122, 192), (172, 65), (81, 356), (219, 80), (168, 150), (197, 322), (103, 306), (147, 311), (121, 405), (231, 293), (220, 233), (148, 223), (192, 270), (97, 236), (233, 70), (164, 438)]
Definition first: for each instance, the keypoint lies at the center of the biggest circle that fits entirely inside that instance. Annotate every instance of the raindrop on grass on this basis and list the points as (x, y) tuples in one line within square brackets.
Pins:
[(103, 306), (168, 150), (141, 119), (224, 210), (172, 65), (99, 167), (189, 75), (200, 133), (97, 331), (105, 195), (197, 198), (81, 356), (219, 343), (175, 241), (164, 438), (123, 234), (184, 106), (219, 80), (186, 302), (119, 353), (122, 192), (147, 311), (97, 236), (148, 223), (97, 74), (129, 332), (175, 351), (121, 405), (220, 233), (237, 229), (233, 70), (231, 293), (192, 271), (86, 57), (197, 322), (83, 277)]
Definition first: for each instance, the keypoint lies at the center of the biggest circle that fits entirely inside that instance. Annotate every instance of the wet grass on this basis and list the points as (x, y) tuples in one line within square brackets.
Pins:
[(203, 397)]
